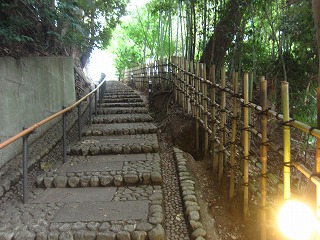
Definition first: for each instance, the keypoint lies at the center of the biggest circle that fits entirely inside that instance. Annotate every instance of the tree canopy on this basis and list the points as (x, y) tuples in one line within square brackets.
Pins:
[(49, 27), (271, 38)]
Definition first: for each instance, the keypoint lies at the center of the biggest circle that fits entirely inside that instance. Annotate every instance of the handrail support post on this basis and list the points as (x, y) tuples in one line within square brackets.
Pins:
[(79, 121), (25, 168), (90, 110), (95, 101), (64, 145)]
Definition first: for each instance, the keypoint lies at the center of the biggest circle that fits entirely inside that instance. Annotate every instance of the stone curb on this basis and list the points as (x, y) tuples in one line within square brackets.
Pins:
[(190, 201)]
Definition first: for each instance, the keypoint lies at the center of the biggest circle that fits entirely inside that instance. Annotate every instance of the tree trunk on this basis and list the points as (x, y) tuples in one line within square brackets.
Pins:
[(224, 33)]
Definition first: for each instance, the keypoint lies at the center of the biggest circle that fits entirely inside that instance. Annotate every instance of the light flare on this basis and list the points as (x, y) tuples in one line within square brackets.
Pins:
[(296, 221)]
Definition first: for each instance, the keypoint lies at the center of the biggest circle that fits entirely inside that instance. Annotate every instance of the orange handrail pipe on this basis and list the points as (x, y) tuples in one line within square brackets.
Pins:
[(48, 119)]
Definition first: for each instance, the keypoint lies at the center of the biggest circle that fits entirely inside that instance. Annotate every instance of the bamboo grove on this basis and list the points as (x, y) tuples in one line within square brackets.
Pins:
[(236, 132), (275, 39)]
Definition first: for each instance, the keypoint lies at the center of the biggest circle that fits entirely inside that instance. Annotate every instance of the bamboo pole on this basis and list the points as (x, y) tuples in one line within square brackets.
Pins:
[(158, 65), (264, 158), (184, 86), (234, 135), (317, 164), (192, 91), (245, 139), (222, 124), (187, 79), (205, 110), (299, 125), (286, 139), (212, 77), (197, 107), (175, 82), (180, 82), (152, 74)]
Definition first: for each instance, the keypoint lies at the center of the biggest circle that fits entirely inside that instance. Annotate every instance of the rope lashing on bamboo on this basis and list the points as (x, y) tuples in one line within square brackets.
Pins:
[(287, 164), (289, 123), (311, 129), (266, 143), (245, 184), (263, 113)]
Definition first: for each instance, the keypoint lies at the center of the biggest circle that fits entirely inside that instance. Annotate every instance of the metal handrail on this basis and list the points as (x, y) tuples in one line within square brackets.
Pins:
[(27, 131), (48, 119)]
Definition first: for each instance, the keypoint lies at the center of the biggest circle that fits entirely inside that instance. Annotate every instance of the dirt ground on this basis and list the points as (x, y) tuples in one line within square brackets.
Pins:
[(223, 218), (222, 222)]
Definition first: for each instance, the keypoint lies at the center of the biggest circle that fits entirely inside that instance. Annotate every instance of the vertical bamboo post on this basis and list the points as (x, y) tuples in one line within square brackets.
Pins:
[(158, 65), (145, 76), (245, 134), (222, 124), (179, 80), (264, 158), (137, 73), (317, 165), (251, 79), (183, 85), (212, 77), (192, 90), (197, 107), (205, 109), (234, 135), (153, 72), (286, 140), (175, 84), (201, 92), (187, 80)]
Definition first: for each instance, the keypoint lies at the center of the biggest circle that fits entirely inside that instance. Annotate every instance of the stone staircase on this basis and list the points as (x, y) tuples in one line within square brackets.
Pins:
[(111, 185)]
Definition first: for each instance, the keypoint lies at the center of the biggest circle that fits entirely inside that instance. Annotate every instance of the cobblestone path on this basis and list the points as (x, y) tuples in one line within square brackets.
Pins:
[(112, 185)]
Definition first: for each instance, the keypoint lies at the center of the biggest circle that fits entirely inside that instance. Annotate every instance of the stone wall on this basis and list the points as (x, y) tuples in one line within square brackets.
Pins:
[(31, 89)]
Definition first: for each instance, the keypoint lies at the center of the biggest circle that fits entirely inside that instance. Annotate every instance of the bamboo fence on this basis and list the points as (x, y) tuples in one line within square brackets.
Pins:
[(229, 149)]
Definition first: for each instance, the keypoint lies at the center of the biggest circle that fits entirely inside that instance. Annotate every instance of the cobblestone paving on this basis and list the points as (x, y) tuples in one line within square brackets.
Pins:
[(175, 223), (146, 179)]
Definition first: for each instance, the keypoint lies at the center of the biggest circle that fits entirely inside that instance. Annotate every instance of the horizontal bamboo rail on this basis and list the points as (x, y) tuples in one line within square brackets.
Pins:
[(206, 99)]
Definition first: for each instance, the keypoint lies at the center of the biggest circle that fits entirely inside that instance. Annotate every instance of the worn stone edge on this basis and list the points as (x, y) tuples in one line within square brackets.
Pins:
[(190, 201), (152, 229)]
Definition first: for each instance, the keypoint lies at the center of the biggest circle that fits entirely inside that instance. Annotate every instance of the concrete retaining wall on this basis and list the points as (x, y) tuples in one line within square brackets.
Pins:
[(32, 89)]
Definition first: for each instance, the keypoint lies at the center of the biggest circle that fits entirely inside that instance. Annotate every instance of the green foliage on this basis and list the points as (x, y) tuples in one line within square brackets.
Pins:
[(58, 26), (141, 38)]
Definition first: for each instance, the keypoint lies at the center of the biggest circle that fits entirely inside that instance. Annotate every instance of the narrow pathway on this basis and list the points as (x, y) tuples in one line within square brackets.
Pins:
[(110, 188)]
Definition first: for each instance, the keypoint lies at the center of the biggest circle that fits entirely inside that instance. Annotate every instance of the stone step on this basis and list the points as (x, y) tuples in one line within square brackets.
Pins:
[(102, 145), (115, 96), (121, 100), (120, 94), (120, 129), (104, 171), (109, 105), (90, 213), (122, 118), (116, 88), (122, 110)]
